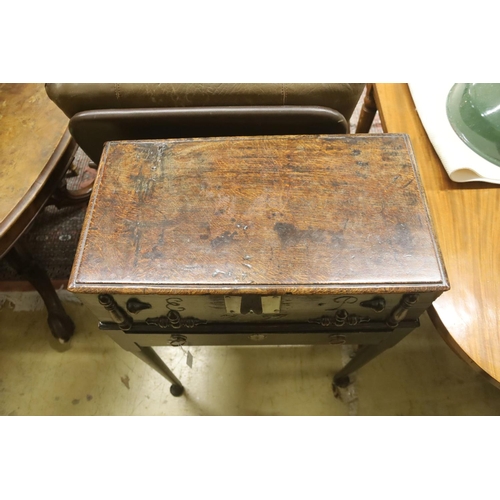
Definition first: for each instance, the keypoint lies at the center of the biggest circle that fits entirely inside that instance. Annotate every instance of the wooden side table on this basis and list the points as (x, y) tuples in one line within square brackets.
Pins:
[(35, 152), (258, 241)]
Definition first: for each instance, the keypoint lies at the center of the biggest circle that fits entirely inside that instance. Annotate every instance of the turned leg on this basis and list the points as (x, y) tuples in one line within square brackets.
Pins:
[(368, 111), (146, 354), (149, 356), (60, 324), (365, 354)]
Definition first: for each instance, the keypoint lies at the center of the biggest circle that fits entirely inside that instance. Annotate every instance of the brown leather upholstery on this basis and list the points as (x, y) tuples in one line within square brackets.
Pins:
[(102, 112), (75, 97), (91, 129)]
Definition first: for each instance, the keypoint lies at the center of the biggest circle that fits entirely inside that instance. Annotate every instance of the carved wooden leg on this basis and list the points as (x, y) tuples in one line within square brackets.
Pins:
[(149, 356), (367, 113), (365, 354), (60, 324)]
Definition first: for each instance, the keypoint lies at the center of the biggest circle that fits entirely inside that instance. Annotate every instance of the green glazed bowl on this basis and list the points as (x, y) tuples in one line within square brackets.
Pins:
[(474, 113)]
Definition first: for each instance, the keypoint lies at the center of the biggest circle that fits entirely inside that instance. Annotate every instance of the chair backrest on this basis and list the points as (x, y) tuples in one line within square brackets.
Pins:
[(91, 129), (100, 112)]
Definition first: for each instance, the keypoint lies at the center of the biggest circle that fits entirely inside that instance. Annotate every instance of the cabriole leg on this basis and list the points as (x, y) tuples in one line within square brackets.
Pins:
[(60, 324)]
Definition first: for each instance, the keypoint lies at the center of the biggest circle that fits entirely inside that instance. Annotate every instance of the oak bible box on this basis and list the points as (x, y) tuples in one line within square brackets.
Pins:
[(258, 241)]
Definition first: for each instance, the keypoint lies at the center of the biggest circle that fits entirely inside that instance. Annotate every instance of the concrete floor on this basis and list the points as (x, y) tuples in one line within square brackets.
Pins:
[(93, 376)]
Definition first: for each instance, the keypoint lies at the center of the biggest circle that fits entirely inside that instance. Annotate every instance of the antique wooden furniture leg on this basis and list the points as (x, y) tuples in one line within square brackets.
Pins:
[(61, 325), (149, 356), (146, 354), (365, 354), (368, 112)]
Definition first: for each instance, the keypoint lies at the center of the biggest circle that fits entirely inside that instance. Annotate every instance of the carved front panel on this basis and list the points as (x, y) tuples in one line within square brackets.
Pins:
[(329, 311)]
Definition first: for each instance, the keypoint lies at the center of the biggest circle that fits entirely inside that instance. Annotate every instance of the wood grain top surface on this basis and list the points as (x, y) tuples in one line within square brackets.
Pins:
[(31, 126), (465, 217), (257, 213)]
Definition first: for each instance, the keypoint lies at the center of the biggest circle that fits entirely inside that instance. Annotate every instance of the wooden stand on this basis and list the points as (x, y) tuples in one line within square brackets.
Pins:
[(258, 241)]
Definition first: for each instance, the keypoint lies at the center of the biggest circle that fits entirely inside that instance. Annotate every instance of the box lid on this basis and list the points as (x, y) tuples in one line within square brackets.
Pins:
[(273, 214)]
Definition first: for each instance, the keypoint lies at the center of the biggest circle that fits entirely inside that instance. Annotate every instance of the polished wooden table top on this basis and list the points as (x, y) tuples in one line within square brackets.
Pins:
[(466, 219), (33, 133)]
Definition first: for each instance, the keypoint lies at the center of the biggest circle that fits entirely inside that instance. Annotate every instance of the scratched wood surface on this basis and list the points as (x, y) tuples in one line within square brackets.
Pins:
[(296, 214), (466, 221)]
